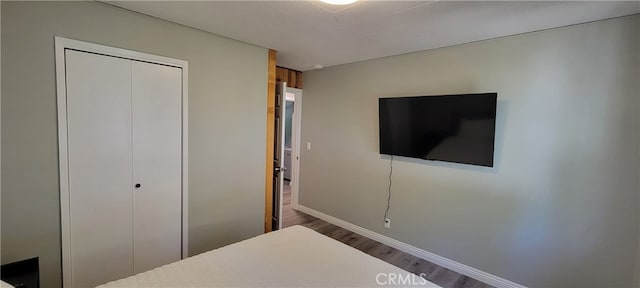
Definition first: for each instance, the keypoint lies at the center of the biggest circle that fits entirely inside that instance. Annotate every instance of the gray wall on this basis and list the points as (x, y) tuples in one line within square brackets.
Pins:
[(227, 79), (637, 281), (560, 207)]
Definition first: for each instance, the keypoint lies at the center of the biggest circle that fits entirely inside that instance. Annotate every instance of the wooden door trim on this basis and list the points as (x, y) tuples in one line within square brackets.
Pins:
[(271, 111)]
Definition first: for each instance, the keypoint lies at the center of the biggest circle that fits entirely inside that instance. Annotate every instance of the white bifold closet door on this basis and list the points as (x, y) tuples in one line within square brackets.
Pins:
[(124, 128)]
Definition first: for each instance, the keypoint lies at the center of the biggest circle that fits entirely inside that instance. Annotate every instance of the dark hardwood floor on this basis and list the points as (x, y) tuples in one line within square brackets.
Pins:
[(434, 273)]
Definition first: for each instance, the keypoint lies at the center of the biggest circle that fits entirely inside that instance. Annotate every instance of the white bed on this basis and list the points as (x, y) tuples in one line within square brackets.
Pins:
[(292, 257)]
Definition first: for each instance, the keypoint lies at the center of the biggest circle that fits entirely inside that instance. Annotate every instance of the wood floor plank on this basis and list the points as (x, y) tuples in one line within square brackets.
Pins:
[(432, 272), (366, 245)]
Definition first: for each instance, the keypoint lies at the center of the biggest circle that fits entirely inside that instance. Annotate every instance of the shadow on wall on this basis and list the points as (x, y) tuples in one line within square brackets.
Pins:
[(581, 177)]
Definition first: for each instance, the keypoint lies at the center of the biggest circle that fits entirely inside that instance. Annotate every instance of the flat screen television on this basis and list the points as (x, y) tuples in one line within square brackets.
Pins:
[(451, 128)]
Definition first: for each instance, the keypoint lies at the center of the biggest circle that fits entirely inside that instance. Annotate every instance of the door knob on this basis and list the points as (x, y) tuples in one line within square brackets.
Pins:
[(138, 185)]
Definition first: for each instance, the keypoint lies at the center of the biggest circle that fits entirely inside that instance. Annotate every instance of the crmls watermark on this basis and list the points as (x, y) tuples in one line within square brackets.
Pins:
[(401, 279)]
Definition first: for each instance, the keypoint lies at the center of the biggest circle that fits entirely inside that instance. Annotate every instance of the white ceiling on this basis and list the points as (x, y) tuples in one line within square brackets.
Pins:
[(308, 33)]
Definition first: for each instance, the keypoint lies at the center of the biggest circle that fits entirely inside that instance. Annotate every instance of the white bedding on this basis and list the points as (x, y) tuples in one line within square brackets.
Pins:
[(292, 257)]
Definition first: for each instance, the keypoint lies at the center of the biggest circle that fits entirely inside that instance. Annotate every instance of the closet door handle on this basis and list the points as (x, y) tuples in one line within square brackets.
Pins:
[(138, 185)]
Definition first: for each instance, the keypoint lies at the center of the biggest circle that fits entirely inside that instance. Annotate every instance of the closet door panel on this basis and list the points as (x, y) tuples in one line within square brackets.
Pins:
[(100, 173), (157, 150)]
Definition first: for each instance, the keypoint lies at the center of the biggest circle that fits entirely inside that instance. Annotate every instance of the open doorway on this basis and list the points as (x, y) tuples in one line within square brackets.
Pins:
[(286, 180), (292, 121), (284, 111)]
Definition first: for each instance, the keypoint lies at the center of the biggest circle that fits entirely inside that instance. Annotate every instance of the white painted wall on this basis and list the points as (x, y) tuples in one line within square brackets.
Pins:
[(560, 207), (227, 78)]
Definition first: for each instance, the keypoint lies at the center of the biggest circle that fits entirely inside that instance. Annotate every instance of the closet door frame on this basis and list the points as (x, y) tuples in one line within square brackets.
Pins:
[(62, 44)]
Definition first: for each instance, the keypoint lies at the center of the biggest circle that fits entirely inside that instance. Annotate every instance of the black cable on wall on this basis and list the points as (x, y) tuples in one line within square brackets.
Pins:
[(386, 212)]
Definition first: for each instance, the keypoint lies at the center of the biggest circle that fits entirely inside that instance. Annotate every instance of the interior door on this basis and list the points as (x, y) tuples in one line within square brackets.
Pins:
[(100, 173), (124, 143), (295, 145), (278, 156), (157, 161)]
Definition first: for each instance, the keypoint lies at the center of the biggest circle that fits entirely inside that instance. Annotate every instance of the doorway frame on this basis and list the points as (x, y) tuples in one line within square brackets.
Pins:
[(61, 44), (296, 133)]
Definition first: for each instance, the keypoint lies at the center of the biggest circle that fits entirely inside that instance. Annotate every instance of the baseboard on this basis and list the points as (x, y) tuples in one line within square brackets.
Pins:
[(415, 251)]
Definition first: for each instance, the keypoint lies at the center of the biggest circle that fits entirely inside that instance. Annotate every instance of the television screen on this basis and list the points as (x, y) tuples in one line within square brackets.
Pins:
[(451, 128)]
